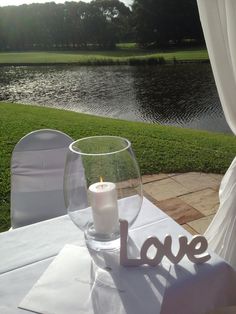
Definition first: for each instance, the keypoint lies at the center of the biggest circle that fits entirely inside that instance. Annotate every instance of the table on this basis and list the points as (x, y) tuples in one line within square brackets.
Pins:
[(26, 252)]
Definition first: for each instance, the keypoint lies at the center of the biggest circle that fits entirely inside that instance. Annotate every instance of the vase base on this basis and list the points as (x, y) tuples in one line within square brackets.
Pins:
[(97, 244)]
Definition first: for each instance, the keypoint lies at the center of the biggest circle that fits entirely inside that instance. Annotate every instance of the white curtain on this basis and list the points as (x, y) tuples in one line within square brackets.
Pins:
[(218, 18)]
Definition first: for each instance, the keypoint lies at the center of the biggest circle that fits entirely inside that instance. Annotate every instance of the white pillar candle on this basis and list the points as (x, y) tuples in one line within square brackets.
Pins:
[(103, 197)]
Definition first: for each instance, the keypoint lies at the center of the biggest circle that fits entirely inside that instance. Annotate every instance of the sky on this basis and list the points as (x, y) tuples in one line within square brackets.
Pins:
[(18, 2)]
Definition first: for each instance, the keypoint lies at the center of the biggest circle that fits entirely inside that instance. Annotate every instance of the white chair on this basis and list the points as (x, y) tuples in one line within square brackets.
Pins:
[(37, 170)]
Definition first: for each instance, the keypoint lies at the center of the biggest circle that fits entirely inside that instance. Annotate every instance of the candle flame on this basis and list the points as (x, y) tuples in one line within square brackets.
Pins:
[(101, 179)]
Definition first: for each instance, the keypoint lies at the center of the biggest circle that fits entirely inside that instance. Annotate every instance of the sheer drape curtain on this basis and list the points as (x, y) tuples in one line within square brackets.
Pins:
[(218, 18)]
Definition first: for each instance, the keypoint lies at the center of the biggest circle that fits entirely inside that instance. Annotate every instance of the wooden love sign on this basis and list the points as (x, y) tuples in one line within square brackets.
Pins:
[(196, 246)]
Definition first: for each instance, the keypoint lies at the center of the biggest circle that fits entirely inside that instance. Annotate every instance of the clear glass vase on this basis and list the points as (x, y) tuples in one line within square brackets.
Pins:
[(102, 184)]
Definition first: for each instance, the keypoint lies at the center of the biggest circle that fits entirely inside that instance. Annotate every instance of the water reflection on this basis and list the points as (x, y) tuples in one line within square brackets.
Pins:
[(182, 95), (179, 95)]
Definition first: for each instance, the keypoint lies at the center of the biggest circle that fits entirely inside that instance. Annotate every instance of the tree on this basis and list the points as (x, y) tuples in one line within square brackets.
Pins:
[(59, 26), (103, 22), (161, 22)]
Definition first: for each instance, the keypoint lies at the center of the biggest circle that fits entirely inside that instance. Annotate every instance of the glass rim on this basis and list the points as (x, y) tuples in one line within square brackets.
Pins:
[(128, 145)]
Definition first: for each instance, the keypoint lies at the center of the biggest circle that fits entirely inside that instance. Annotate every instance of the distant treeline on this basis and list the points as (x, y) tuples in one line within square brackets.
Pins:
[(100, 23)]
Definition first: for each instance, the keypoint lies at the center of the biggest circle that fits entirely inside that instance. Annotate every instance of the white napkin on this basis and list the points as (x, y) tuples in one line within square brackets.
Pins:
[(74, 284)]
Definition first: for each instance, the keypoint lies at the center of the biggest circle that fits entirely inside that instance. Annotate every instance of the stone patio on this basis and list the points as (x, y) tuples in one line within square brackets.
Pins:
[(190, 198)]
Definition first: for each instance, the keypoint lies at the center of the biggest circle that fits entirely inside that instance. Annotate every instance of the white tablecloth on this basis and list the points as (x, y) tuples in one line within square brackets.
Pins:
[(26, 252)]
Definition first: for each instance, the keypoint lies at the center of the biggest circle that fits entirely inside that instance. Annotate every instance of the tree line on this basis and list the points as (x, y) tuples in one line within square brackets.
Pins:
[(100, 23)]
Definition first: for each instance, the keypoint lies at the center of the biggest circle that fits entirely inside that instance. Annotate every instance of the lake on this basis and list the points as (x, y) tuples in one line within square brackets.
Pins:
[(182, 95)]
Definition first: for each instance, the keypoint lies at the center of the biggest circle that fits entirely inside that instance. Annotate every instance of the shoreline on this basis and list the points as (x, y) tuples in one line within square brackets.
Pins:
[(110, 57), (131, 62)]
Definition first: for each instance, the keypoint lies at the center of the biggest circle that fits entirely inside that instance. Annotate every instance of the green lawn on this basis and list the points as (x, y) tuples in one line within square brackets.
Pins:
[(158, 148), (121, 55)]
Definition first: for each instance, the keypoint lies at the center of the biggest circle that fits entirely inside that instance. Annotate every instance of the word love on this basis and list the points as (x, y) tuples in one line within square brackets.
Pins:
[(196, 247)]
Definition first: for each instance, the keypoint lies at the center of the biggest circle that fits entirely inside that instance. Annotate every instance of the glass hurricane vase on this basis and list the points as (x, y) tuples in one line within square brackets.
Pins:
[(102, 185)]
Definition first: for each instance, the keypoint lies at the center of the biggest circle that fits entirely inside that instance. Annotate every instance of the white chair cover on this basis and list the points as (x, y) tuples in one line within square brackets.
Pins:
[(37, 170)]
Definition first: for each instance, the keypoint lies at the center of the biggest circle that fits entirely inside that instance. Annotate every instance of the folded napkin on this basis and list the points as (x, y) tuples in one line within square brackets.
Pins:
[(75, 284)]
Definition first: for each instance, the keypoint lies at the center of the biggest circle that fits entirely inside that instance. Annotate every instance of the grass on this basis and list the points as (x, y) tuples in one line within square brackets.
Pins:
[(122, 55), (158, 148), (127, 46)]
